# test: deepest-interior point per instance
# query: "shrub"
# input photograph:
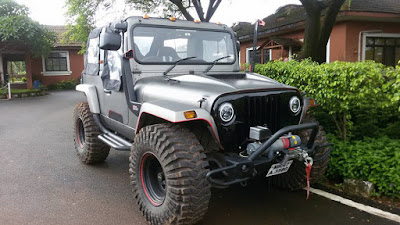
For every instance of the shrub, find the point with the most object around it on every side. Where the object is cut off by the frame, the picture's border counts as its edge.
(67, 84)
(23, 79)
(374, 160)
(350, 93)
(63, 85)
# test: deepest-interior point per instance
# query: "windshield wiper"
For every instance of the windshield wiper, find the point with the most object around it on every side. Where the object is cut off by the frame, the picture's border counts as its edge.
(177, 63)
(215, 62)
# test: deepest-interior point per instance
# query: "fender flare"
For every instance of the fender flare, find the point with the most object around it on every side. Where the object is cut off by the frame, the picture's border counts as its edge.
(91, 95)
(173, 112)
(307, 103)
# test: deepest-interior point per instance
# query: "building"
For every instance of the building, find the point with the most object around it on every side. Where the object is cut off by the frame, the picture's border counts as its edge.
(63, 63)
(364, 30)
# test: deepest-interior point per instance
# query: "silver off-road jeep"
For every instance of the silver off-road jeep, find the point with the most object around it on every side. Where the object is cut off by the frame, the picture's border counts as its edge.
(171, 92)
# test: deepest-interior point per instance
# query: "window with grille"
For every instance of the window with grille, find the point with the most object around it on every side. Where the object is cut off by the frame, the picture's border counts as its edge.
(385, 50)
(57, 61)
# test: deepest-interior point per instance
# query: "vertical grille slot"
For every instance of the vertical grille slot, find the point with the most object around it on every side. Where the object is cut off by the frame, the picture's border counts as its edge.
(263, 110)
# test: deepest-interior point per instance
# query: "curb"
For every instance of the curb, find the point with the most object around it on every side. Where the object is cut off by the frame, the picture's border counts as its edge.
(365, 201)
(22, 95)
(359, 206)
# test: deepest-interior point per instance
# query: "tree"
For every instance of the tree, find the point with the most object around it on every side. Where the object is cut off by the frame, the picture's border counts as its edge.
(81, 13)
(316, 35)
(179, 7)
(17, 28)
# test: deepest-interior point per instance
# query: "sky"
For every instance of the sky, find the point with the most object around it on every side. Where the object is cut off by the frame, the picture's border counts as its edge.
(52, 12)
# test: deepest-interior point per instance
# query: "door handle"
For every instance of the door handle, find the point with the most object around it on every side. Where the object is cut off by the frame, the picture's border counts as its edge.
(107, 91)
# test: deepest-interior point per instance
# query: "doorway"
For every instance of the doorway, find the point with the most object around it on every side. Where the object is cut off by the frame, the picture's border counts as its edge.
(14, 69)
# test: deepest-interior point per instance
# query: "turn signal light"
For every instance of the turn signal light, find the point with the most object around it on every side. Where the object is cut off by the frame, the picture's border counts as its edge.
(313, 102)
(219, 23)
(190, 114)
(145, 16)
(172, 19)
(197, 21)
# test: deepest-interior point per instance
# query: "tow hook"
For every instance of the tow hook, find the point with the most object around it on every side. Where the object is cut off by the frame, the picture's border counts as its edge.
(308, 162)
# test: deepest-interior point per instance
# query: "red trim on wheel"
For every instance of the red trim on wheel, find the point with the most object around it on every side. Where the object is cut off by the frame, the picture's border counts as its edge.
(143, 185)
(77, 134)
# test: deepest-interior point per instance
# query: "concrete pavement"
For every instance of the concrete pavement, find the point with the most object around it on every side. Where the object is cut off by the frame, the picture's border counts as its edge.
(43, 182)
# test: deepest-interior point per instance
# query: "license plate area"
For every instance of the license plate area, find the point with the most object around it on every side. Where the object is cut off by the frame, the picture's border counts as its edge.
(279, 168)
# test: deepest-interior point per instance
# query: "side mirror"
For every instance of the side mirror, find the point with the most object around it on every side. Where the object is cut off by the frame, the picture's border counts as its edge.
(110, 41)
(238, 46)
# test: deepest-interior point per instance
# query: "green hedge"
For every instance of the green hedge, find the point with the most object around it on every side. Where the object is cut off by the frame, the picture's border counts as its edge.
(374, 160)
(353, 95)
(63, 85)
(359, 101)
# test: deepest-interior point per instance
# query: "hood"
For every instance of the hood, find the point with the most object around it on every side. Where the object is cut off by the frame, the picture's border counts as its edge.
(192, 89)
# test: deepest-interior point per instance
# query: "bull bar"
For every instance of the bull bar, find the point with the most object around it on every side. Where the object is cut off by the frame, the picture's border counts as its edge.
(243, 169)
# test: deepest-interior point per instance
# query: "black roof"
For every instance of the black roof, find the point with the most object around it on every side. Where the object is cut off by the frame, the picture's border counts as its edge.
(384, 6)
(287, 16)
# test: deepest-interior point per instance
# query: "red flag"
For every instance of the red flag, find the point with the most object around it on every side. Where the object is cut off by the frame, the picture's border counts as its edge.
(261, 22)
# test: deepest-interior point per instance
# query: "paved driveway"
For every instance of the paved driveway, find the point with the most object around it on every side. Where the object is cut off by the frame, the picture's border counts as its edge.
(42, 181)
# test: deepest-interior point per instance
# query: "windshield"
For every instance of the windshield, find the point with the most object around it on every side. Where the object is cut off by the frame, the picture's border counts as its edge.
(168, 45)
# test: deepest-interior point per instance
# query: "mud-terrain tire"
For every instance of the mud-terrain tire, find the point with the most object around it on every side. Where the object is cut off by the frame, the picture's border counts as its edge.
(296, 177)
(168, 170)
(89, 148)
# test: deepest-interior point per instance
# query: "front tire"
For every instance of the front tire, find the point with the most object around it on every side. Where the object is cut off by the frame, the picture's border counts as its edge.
(89, 148)
(168, 173)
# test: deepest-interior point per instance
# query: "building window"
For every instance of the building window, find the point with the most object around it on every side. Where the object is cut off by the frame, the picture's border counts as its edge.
(385, 50)
(249, 56)
(56, 63)
(266, 55)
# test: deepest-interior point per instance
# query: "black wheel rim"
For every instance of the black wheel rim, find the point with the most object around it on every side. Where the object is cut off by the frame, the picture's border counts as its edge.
(80, 133)
(153, 179)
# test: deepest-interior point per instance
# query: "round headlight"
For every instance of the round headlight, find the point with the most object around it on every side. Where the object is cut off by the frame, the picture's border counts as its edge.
(294, 104)
(226, 112)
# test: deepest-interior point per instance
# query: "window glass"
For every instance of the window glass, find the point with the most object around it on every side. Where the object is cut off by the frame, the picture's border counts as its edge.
(390, 42)
(143, 43)
(213, 50)
(369, 53)
(56, 61)
(114, 60)
(378, 57)
(379, 41)
(167, 45)
(266, 55)
(258, 56)
(370, 41)
(383, 50)
(397, 58)
(93, 51)
(179, 44)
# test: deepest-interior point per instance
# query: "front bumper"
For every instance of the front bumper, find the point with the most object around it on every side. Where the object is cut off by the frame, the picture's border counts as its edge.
(240, 169)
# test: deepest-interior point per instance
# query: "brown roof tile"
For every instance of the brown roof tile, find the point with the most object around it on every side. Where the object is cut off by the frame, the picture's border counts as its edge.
(60, 30)
(288, 15)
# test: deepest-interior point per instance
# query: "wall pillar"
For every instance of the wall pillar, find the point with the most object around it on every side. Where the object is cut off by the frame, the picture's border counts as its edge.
(28, 64)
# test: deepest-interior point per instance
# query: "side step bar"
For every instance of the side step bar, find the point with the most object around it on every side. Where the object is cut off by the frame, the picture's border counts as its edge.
(115, 142)
(111, 139)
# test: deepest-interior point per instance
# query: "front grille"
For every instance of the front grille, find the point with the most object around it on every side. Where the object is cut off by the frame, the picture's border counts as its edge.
(263, 110)
(269, 109)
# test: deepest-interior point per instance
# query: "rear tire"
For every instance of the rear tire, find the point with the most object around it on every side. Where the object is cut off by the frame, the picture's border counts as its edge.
(296, 177)
(89, 148)
(168, 173)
